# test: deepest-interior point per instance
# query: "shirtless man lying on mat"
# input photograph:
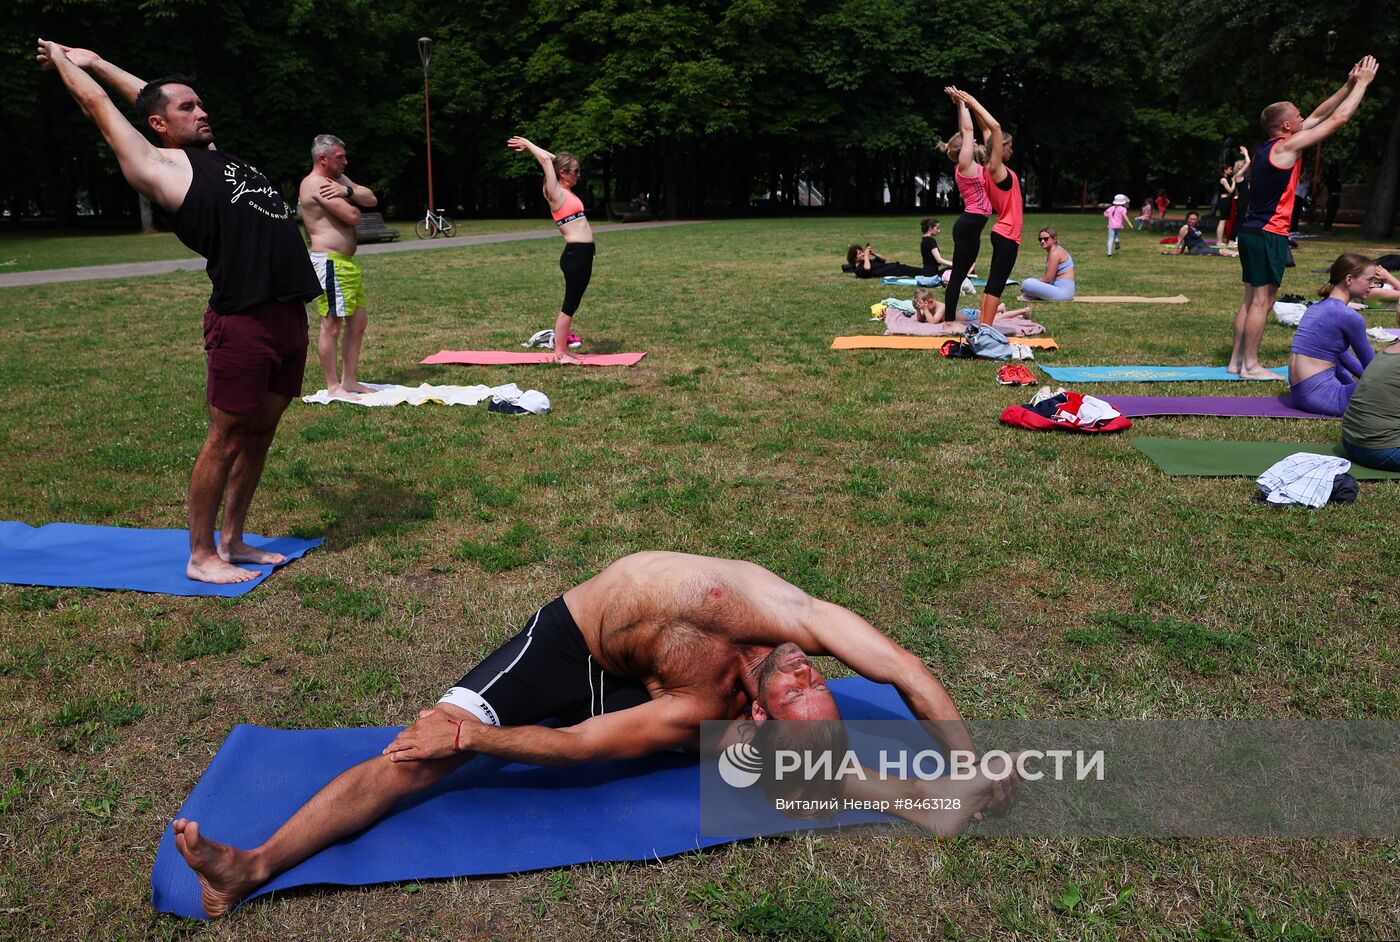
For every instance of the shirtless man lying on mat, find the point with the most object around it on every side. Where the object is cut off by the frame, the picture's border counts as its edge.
(631, 662)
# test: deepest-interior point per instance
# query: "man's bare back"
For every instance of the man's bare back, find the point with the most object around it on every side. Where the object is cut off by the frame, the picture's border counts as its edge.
(689, 625)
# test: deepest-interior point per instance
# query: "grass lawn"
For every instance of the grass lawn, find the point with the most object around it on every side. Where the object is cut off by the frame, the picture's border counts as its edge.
(1038, 574)
(33, 251)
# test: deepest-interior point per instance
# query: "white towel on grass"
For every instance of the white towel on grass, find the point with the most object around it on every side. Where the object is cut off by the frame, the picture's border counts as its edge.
(390, 395)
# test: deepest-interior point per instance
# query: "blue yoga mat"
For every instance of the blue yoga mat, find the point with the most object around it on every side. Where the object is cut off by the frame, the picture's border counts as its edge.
(1147, 374)
(73, 554)
(488, 817)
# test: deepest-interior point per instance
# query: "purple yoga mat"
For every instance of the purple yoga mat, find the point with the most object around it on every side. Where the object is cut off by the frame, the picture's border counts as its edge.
(1269, 407)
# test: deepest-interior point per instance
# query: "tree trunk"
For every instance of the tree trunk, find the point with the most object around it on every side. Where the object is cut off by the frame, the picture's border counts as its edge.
(1380, 217)
(147, 223)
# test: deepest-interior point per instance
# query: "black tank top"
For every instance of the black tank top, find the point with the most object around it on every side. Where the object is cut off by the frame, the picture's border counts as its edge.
(236, 219)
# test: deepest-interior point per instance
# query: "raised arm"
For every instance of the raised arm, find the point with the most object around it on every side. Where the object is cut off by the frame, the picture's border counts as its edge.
(151, 171)
(552, 193)
(1317, 128)
(992, 129)
(1330, 104)
(118, 79)
(665, 723)
(967, 152)
(851, 639)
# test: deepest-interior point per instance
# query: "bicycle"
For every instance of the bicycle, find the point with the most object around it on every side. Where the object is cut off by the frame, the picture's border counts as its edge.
(434, 224)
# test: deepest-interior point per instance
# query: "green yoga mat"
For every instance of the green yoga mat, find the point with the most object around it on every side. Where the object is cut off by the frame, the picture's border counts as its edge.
(1208, 459)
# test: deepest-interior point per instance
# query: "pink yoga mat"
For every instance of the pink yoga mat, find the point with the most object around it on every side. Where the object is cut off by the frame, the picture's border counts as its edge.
(1268, 407)
(511, 358)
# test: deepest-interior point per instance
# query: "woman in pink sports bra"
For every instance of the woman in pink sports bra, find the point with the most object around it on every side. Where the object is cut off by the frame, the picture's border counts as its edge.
(962, 148)
(560, 178)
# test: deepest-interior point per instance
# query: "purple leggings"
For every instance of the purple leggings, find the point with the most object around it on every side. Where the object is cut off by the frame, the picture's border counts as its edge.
(1323, 393)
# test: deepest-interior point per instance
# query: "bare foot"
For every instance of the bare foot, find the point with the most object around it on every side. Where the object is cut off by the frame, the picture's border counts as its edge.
(1233, 367)
(217, 571)
(226, 874)
(356, 387)
(565, 359)
(1259, 372)
(236, 551)
(975, 796)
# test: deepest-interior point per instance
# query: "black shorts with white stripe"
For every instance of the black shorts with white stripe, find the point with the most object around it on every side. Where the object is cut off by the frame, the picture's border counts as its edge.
(545, 672)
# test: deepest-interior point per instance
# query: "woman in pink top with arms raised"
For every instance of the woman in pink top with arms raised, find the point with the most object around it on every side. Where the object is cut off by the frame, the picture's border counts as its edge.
(560, 178)
(962, 148)
(1004, 193)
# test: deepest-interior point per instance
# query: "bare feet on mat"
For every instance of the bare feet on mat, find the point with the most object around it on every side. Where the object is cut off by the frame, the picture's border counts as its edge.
(356, 388)
(340, 392)
(217, 571)
(226, 874)
(236, 551)
(566, 359)
(1260, 373)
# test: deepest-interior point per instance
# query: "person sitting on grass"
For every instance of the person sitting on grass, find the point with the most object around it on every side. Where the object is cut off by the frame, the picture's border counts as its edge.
(1371, 423)
(1190, 241)
(933, 260)
(1331, 348)
(674, 640)
(868, 263)
(1058, 283)
(1144, 217)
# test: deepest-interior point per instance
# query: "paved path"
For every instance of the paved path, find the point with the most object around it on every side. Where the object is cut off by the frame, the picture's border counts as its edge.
(129, 270)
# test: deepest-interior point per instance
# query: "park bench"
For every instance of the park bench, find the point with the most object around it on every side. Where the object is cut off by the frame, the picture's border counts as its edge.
(371, 228)
(627, 211)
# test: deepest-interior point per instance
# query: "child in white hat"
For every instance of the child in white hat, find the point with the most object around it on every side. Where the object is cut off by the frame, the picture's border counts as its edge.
(1117, 215)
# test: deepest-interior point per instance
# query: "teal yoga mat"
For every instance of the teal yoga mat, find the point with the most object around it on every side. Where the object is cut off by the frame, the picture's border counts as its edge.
(1216, 459)
(1148, 374)
(910, 282)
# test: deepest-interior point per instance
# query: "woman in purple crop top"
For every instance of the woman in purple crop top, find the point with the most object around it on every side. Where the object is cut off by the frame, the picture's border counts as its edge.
(1331, 348)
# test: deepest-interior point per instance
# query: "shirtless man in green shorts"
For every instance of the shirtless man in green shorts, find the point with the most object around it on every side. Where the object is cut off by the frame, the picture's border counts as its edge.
(631, 662)
(330, 207)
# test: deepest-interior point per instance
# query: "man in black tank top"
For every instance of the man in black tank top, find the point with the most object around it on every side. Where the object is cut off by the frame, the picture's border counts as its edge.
(255, 326)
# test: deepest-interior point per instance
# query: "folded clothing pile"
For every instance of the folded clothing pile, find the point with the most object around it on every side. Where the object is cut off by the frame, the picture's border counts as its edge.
(1068, 411)
(1307, 479)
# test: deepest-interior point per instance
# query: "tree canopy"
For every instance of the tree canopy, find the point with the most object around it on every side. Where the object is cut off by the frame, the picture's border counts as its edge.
(712, 106)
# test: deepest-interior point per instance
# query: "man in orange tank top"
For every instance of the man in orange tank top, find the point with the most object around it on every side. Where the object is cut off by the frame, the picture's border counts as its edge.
(1263, 238)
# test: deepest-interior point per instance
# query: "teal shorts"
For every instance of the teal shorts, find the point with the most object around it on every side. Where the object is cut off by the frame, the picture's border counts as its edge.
(1263, 256)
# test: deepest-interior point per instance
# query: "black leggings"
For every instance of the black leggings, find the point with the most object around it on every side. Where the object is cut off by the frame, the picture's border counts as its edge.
(1003, 260)
(577, 265)
(967, 239)
(888, 270)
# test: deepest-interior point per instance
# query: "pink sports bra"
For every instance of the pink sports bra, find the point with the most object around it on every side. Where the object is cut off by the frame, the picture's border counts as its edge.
(571, 209)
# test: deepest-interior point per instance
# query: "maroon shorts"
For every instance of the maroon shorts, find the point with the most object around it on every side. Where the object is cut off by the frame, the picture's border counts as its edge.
(259, 350)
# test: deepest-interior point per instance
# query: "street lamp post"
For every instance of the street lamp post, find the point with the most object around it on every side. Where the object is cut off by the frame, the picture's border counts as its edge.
(425, 52)
(1317, 154)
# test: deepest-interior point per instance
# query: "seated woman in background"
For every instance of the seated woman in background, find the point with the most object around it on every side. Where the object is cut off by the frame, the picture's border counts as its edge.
(1189, 240)
(1371, 425)
(933, 260)
(1331, 348)
(870, 264)
(1058, 283)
